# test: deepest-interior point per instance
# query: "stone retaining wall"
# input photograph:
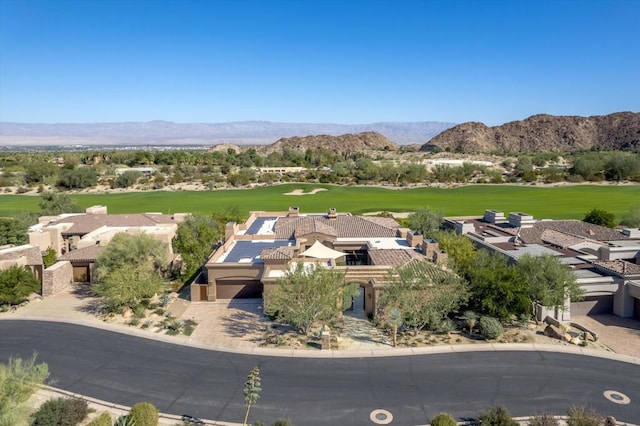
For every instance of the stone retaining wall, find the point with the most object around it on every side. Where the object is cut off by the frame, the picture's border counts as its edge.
(57, 278)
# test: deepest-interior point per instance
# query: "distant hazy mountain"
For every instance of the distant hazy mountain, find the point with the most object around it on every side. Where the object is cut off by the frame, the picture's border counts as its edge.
(168, 133)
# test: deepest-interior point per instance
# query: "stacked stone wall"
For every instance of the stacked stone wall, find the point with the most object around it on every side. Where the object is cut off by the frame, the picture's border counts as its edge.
(56, 278)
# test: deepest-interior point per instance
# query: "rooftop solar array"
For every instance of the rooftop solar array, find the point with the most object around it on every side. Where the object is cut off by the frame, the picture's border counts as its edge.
(262, 226)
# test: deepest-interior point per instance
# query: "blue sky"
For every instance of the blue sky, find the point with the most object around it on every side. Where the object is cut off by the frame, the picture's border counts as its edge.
(316, 61)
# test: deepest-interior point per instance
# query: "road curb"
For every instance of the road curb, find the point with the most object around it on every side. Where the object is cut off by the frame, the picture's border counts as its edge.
(357, 353)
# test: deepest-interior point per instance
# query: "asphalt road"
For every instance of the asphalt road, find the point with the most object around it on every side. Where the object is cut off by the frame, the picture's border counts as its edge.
(208, 384)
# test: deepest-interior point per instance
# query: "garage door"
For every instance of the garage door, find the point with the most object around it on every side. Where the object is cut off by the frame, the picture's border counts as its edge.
(238, 289)
(593, 305)
(81, 274)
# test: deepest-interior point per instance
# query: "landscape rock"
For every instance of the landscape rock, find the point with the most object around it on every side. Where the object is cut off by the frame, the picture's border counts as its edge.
(575, 341)
(554, 332)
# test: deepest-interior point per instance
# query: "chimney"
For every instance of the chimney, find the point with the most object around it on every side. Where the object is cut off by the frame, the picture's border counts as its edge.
(293, 212)
(414, 239)
(429, 247)
(332, 213)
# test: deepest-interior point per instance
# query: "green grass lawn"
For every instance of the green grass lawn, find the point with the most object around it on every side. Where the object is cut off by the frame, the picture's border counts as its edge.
(557, 203)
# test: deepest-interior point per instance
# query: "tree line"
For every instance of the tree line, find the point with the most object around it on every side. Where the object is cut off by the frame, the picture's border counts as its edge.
(217, 169)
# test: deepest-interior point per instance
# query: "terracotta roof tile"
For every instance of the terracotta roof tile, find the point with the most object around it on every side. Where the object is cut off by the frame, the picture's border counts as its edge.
(576, 228)
(620, 267)
(277, 253)
(344, 226)
(559, 239)
(87, 254)
(392, 257)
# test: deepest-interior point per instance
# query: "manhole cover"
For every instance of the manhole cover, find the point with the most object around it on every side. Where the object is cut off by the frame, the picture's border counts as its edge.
(617, 397)
(381, 417)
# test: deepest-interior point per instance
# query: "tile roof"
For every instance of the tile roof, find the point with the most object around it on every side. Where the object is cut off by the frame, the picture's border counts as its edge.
(620, 267)
(277, 253)
(576, 228)
(392, 257)
(87, 254)
(85, 223)
(559, 239)
(343, 226)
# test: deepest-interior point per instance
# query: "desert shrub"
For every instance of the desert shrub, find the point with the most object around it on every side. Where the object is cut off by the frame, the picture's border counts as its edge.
(61, 412)
(19, 379)
(490, 328)
(543, 420)
(496, 416)
(282, 422)
(124, 421)
(443, 419)
(144, 414)
(139, 311)
(104, 419)
(583, 416)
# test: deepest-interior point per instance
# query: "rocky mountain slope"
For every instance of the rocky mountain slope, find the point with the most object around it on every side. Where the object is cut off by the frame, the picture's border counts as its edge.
(620, 131)
(168, 133)
(343, 144)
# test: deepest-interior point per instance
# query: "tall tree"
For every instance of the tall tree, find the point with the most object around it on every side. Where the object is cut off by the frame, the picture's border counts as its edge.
(423, 293)
(548, 281)
(309, 294)
(459, 248)
(55, 203)
(129, 269)
(12, 231)
(426, 221)
(496, 287)
(81, 177)
(195, 240)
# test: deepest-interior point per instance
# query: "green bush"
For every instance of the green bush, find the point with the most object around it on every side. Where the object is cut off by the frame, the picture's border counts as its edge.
(61, 412)
(443, 419)
(16, 284)
(282, 422)
(490, 328)
(104, 419)
(543, 420)
(496, 416)
(583, 416)
(144, 414)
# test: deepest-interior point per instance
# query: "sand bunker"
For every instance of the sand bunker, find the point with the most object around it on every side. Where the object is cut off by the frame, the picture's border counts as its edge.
(301, 191)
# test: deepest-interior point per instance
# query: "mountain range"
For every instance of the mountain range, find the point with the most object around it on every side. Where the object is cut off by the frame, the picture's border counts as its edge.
(543, 132)
(238, 133)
